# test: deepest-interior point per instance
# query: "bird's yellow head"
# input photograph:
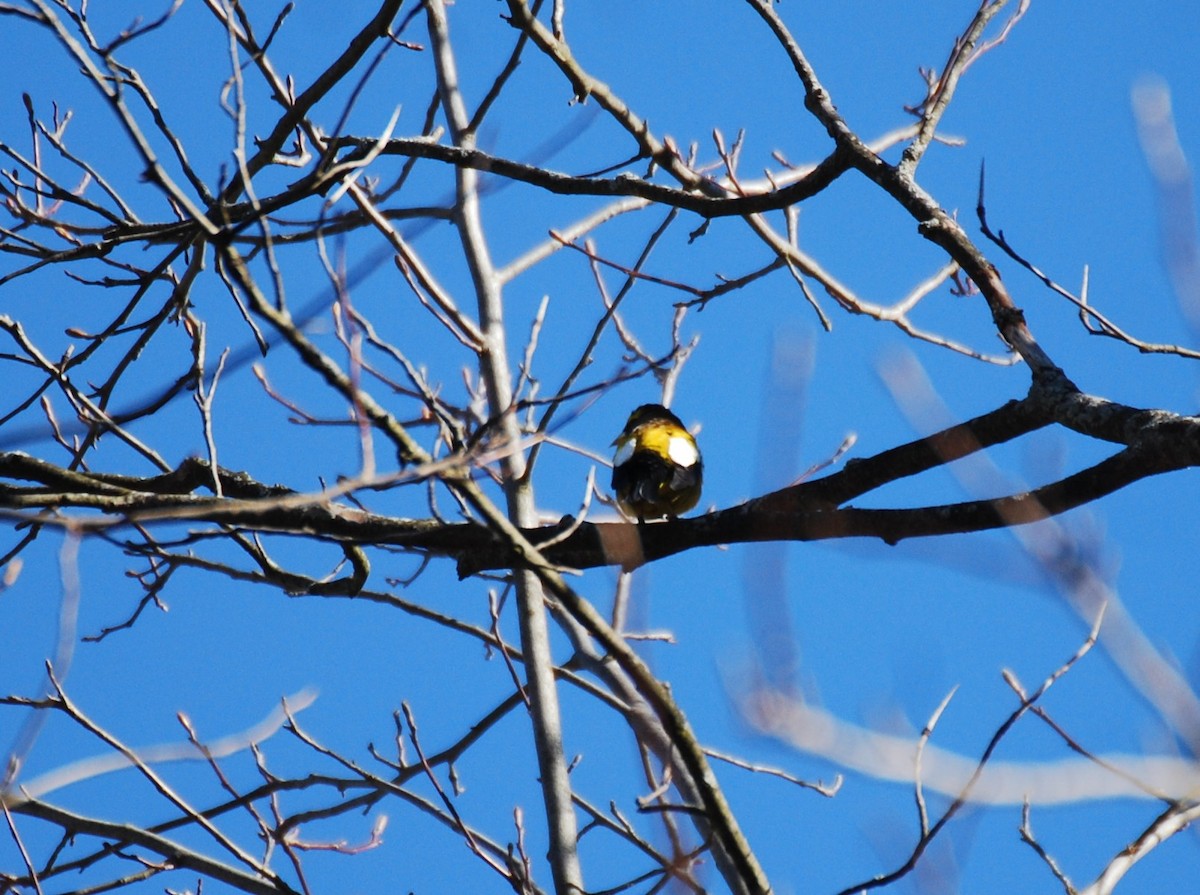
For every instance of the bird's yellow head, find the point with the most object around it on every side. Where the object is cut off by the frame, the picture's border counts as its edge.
(657, 469)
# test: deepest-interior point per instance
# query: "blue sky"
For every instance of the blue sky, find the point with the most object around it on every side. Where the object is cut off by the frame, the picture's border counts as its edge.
(881, 634)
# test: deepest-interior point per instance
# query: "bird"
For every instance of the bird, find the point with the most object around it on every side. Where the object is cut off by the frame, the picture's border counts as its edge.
(657, 468)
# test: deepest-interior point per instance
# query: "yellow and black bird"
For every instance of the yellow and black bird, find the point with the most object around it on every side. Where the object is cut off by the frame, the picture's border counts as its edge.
(657, 470)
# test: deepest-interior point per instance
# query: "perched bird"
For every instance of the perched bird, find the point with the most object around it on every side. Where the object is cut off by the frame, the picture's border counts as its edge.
(657, 468)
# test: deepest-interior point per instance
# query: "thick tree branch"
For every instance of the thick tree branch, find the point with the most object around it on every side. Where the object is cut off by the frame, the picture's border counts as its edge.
(1156, 441)
(705, 204)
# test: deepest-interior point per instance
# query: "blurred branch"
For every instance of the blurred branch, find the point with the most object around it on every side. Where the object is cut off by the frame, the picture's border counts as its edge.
(108, 762)
(1168, 164)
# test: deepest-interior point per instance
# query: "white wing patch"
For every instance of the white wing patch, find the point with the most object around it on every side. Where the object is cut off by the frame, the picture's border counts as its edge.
(682, 451)
(624, 452)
